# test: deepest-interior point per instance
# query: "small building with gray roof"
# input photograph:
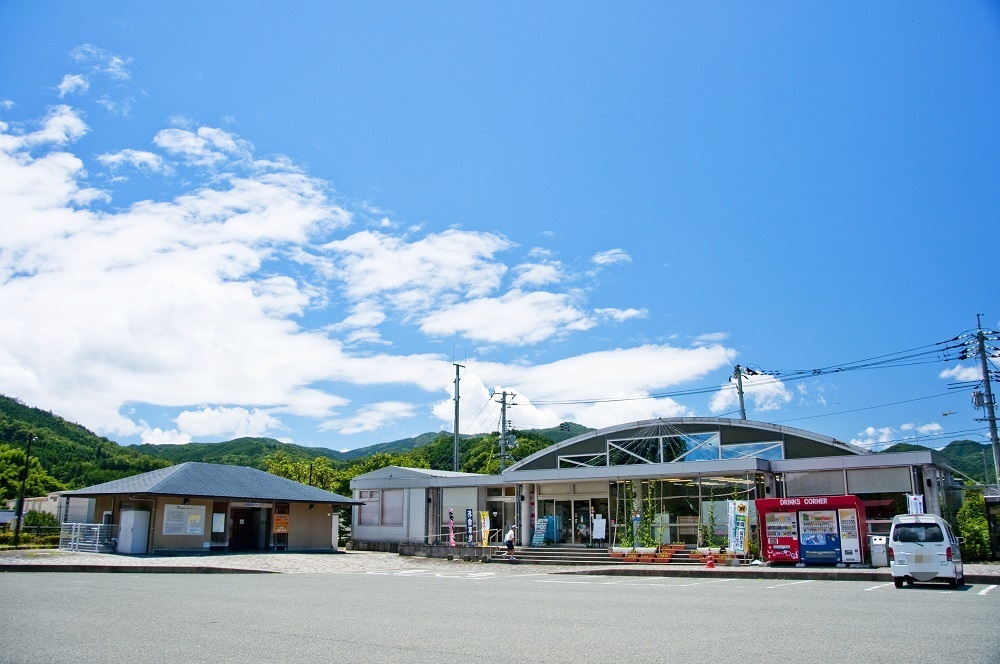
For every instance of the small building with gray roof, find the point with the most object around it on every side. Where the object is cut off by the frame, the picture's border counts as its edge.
(203, 506)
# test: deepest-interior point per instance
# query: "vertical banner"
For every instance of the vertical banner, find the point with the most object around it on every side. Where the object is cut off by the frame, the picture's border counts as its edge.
(451, 527)
(738, 516)
(914, 503)
(484, 527)
(470, 526)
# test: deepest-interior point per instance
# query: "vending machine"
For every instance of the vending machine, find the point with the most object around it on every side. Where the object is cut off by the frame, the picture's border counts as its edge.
(812, 530)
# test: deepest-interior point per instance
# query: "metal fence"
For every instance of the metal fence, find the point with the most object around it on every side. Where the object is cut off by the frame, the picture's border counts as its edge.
(92, 537)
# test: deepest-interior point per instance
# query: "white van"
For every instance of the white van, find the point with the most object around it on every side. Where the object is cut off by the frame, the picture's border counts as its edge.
(923, 547)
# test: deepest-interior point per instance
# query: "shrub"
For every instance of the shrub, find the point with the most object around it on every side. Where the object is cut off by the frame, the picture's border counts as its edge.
(972, 525)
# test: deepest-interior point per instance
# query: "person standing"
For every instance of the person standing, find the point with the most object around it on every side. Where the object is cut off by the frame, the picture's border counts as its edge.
(508, 539)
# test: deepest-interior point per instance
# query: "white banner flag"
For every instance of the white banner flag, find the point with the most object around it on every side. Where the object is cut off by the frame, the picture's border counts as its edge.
(738, 517)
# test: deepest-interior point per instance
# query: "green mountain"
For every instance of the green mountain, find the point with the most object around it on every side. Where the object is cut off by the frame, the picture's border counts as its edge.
(966, 456)
(401, 446)
(238, 452)
(68, 452)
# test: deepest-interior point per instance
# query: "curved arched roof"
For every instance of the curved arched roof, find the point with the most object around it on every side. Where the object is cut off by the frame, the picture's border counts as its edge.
(795, 443)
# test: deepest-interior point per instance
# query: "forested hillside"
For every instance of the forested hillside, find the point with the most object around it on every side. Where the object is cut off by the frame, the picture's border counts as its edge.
(966, 456)
(68, 453)
(239, 452)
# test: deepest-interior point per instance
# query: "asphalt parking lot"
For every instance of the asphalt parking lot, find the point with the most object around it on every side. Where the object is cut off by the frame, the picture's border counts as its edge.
(385, 608)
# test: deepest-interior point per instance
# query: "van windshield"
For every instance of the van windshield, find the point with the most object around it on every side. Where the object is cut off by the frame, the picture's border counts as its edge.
(917, 532)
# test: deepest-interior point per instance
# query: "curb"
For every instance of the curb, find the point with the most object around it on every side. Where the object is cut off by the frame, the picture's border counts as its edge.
(872, 575)
(129, 569)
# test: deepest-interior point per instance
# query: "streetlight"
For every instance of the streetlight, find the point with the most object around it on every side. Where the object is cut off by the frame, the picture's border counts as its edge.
(20, 497)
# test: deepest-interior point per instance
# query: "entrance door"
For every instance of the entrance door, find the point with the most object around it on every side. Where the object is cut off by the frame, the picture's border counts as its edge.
(581, 521)
(245, 533)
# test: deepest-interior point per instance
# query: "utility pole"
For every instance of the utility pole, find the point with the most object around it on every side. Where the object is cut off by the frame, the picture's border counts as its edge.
(738, 374)
(457, 379)
(20, 496)
(991, 415)
(503, 430)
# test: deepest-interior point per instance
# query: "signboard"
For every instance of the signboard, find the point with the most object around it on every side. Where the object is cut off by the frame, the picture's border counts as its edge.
(280, 524)
(183, 519)
(600, 527)
(470, 526)
(538, 537)
(738, 514)
(850, 537)
(914, 503)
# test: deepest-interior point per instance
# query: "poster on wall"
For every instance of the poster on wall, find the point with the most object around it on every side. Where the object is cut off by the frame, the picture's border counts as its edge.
(914, 503)
(280, 524)
(183, 519)
(219, 522)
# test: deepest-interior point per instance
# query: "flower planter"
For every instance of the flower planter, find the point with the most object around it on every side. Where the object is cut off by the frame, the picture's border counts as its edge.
(645, 550)
(647, 558)
(663, 558)
(631, 558)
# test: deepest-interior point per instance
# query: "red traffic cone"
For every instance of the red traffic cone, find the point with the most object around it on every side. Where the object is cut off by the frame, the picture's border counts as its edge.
(710, 563)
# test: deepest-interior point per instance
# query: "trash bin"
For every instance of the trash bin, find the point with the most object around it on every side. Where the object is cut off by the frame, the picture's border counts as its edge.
(879, 554)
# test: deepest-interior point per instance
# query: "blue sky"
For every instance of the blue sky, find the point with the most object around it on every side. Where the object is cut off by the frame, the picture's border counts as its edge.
(288, 220)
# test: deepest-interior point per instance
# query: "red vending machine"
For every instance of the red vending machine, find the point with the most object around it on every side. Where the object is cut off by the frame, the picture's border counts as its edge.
(812, 530)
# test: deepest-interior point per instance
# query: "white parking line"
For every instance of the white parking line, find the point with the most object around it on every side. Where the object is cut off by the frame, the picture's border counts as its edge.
(986, 590)
(881, 585)
(793, 583)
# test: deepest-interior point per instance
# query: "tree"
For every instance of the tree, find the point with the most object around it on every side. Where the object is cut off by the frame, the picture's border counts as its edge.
(36, 519)
(39, 483)
(972, 525)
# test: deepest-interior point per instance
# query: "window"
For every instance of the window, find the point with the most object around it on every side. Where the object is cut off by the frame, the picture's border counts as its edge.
(368, 514)
(918, 532)
(392, 507)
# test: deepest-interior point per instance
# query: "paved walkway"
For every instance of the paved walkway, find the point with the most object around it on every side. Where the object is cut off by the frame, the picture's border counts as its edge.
(45, 560)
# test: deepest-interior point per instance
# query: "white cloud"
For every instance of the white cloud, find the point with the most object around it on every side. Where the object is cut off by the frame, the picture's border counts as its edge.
(611, 257)
(765, 393)
(872, 437)
(537, 274)
(6, 104)
(160, 437)
(206, 146)
(621, 315)
(622, 381)
(200, 302)
(73, 83)
(961, 373)
(138, 159)
(371, 417)
(710, 338)
(415, 276)
(516, 318)
(100, 60)
(227, 422)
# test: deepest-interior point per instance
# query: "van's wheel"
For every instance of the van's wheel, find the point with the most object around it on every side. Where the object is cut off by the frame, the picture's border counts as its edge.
(953, 583)
(909, 581)
(898, 581)
(961, 581)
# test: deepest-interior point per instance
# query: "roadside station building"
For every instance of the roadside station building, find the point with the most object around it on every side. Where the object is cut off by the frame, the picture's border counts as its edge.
(680, 471)
(202, 507)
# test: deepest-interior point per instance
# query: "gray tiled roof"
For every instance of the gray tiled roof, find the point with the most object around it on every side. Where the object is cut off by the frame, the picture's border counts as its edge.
(211, 480)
